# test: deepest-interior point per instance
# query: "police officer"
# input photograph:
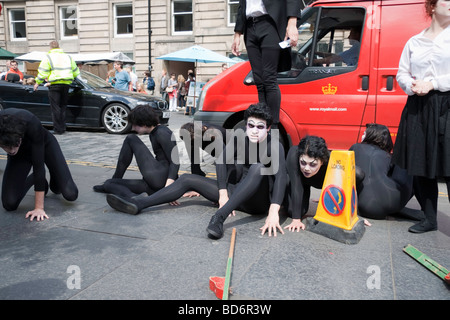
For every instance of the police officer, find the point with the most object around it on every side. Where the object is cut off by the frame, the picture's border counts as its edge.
(59, 69)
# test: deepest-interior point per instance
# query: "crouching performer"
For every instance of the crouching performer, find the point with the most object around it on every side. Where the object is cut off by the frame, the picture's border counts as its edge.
(251, 177)
(30, 146)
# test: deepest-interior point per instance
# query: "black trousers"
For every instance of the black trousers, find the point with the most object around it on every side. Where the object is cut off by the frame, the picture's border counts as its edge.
(261, 41)
(58, 95)
(427, 192)
(17, 180)
(154, 173)
(251, 194)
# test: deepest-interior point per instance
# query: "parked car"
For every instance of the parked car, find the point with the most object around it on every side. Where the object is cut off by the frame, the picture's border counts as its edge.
(93, 103)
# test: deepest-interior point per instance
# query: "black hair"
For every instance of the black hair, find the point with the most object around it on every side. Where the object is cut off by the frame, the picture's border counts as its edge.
(314, 147)
(12, 130)
(260, 111)
(190, 127)
(378, 135)
(143, 115)
(194, 128)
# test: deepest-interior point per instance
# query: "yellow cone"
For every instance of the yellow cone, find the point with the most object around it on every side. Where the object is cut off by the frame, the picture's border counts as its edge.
(338, 200)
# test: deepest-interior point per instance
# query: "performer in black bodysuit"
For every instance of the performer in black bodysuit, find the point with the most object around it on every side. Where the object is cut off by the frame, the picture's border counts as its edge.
(31, 146)
(254, 175)
(197, 135)
(386, 188)
(157, 171)
(306, 167)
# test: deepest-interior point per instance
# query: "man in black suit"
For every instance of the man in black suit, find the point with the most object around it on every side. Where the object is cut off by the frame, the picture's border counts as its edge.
(264, 24)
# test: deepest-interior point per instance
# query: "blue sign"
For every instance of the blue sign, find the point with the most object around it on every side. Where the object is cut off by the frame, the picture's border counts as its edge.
(333, 200)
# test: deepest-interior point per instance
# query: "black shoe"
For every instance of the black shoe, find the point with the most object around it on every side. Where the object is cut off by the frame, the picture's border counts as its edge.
(215, 227)
(121, 204)
(99, 188)
(423, 226)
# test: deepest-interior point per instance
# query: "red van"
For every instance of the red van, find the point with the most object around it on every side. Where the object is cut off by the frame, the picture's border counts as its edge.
(338, 81)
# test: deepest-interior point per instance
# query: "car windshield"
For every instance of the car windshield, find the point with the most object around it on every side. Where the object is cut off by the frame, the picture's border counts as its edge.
(92, 81)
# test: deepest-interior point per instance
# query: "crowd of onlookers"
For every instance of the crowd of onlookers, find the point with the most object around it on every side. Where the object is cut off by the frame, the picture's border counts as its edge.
(124, 78)
(173, 89)
(176, 89)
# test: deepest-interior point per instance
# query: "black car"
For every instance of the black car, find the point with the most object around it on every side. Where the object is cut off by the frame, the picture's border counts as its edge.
(93, 103)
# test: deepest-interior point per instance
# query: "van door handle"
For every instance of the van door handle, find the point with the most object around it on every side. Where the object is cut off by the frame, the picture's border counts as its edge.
(365, 83)
(390, 83)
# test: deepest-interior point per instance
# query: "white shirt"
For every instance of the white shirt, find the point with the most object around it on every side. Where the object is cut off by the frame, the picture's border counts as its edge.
(134, 79)
(426, 59)
(255, 8)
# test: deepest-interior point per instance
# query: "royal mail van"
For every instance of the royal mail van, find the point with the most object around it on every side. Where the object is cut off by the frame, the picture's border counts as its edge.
(338, 82)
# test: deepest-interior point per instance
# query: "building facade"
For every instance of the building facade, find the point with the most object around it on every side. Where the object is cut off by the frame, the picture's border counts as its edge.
(88, 26)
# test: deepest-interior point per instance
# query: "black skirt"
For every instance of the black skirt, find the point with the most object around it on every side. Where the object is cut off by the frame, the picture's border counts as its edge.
(422, 146)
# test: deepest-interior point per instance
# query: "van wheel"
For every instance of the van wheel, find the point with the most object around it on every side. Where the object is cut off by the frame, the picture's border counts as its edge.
(114, 118)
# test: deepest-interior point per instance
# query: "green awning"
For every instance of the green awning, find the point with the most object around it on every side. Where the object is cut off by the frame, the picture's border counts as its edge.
(6, 55)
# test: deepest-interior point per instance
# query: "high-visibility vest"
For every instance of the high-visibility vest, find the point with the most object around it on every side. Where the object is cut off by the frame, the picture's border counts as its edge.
(57, 67)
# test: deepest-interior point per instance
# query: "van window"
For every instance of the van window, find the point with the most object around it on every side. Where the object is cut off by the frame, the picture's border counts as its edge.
(328, 38)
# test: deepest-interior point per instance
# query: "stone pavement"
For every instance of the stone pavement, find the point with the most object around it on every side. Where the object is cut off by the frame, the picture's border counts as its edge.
(88, 251)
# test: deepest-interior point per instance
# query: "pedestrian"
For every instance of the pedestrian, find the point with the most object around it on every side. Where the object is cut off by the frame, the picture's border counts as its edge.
(60, 70)
(163, 86)
(181, 91)
(191, 79)
(133, 77)
(141, 88)
(30, 146)
(3, 73)
(265, 23)
(247, 180)
(149, 82)
(122, 79)
(110, 78)
(172, 92)
(14, 68)
(422, 145)
(157, 171)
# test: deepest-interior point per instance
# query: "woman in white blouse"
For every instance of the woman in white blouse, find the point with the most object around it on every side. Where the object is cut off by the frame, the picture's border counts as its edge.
(423, 140)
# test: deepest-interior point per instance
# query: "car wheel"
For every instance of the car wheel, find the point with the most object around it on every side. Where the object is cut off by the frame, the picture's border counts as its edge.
(114, 119)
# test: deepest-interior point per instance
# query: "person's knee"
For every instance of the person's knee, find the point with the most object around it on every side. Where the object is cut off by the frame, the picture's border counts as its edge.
(131, 138)
(71, 193)
(10, 204)
(255, 169)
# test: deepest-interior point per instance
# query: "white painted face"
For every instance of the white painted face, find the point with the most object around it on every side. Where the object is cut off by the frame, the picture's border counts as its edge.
(309, 166)
(257, 129)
